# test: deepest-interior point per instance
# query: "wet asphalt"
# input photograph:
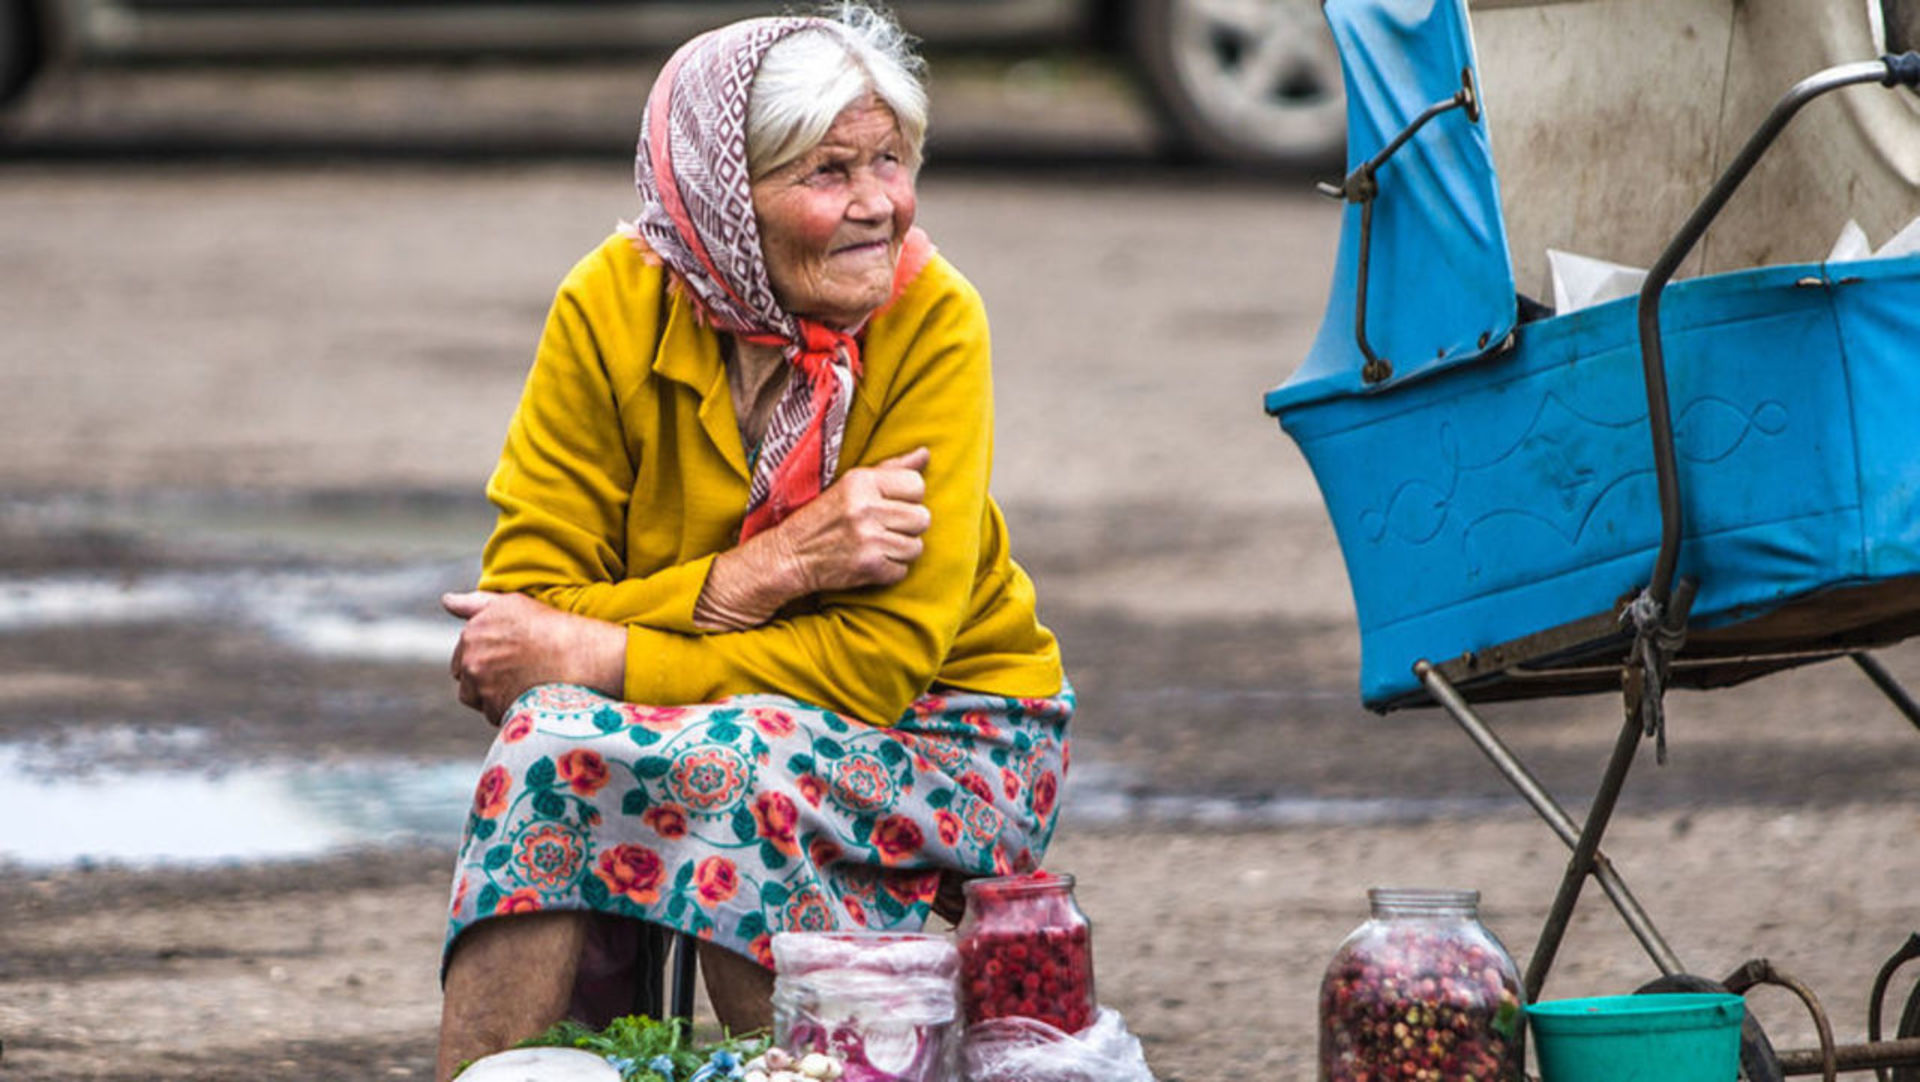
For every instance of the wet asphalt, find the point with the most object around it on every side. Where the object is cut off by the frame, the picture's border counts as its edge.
(132, 652)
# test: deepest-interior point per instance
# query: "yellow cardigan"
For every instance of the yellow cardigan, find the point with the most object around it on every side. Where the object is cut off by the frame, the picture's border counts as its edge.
(624, 475)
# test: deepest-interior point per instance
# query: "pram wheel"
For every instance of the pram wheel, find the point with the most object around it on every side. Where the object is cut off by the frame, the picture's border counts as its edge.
(1757, 1060)
(1909, 1017)
(1909, 1027)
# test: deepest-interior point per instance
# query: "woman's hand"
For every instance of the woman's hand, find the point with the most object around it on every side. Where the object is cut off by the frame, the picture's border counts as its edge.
(512, 643)
(864, 530)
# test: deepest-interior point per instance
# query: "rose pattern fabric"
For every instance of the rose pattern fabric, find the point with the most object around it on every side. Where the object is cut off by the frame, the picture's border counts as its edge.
(757, 814)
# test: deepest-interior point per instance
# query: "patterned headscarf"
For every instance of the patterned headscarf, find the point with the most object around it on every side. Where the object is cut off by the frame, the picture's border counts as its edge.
(696, 215)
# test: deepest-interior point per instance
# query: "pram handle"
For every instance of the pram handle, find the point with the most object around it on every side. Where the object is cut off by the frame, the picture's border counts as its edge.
(1362, 186)
(1902, 70)
(1890, 70)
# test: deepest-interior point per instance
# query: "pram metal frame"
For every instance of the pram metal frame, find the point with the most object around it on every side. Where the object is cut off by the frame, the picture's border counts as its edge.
(1588, 860)
(1658, 628)
(1361, 186)
(1657, 618)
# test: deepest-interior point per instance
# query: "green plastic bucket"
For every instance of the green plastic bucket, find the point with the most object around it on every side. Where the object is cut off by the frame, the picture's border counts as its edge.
(1669, 1037)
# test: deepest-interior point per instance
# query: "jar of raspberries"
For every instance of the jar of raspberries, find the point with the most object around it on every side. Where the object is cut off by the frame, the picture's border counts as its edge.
(1026, 951)
(1421, 992)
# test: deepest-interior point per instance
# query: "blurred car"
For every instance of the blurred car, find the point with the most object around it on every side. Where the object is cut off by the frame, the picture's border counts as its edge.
(1245, 81)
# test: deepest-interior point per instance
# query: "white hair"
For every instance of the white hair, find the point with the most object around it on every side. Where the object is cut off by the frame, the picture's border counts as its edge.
(808, 78)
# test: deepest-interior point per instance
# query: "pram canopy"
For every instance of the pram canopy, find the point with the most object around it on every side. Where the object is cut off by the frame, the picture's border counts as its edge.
(1492, 485)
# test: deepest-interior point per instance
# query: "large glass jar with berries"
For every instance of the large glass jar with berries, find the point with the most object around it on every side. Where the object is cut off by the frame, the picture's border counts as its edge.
(1026, 951)
(1421, 992)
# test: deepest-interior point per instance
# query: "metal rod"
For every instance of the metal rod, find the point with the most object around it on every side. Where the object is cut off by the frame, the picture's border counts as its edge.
(683, 968)
(1556, 818)
(1904, 1052)
(1877, 1000)
(1580, 865)
(1499, 754)
(1376, 369)
(1759, 971)
(1888, 686)
(1461, 99)
(1678, 664)
(1361, 186)
(1653, 362)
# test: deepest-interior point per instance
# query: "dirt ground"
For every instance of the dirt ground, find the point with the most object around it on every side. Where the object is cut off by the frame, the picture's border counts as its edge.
(231, 367)
(1211, 943)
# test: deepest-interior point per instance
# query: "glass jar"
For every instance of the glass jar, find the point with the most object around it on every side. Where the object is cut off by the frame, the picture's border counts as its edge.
(1422, 992)
(1026, 951)
(883, 1003)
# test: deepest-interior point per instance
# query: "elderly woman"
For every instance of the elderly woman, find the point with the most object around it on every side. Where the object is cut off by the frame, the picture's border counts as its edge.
(748, 622)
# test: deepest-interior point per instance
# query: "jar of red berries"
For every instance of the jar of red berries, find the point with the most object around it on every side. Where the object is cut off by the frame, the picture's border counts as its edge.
(1026, 951)
(1421, 992)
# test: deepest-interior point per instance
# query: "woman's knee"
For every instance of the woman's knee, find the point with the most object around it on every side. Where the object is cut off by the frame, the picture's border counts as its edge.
(514, 946)
(740, 989)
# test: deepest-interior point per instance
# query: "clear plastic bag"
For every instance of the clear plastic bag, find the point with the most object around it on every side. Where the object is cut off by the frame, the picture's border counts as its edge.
(885, 1004)
(1023, 1050)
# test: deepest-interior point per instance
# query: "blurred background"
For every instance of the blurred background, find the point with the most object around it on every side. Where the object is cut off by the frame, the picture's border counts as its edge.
(1250, 82)
(275, 271)
(270, 280)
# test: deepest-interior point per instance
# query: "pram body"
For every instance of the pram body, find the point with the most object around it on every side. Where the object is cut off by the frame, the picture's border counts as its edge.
(1494, 496)
(1711, 481)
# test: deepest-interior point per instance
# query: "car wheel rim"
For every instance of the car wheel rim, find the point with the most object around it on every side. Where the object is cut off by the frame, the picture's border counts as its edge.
(1264, 70)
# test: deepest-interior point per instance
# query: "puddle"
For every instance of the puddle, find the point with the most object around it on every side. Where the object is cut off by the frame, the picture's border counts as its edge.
(388, 613)
(290, 811)
(353, 579)
(248, 526)
(278, 812)
(327, 576)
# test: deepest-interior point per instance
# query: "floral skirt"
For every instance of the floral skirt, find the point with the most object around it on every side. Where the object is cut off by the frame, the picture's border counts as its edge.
(738, 819)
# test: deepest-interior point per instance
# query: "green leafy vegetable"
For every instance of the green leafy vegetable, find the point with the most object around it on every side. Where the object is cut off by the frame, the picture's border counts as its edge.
(646, 1050)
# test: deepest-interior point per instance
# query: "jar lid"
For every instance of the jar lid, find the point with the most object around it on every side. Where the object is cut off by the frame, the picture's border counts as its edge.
(1003, 886)
(1424, 899)
(896, 953)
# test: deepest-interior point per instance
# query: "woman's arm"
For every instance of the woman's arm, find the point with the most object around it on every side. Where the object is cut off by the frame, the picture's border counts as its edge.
(864, 530)
(511, 643)
(869, 652)
(566, 475)
(565, 488)
(866, 650)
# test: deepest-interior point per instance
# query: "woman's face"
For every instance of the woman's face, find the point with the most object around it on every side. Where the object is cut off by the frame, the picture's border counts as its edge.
(832, 220)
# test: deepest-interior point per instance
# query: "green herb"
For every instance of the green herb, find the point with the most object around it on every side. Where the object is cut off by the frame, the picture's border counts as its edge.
(646, 1050)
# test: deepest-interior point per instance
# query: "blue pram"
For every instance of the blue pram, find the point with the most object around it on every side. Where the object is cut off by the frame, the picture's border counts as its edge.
(1715, 481)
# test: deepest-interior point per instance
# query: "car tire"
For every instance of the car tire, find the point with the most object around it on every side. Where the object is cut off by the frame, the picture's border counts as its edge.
(19, 49)
(1901, 18)
(1249, 82)
(1901, 21)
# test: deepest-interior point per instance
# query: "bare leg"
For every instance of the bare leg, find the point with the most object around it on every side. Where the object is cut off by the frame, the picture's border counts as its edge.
(509, 978)
(741, 991)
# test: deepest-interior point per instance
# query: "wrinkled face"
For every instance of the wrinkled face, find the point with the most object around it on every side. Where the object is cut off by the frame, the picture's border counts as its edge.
(832, 220)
